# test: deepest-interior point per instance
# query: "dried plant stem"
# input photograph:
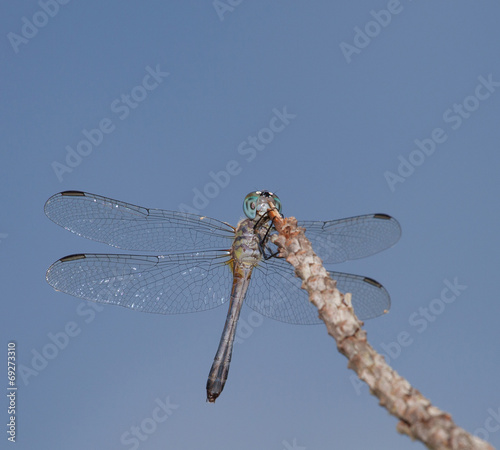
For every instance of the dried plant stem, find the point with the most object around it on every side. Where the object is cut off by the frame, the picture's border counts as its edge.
(419, 419)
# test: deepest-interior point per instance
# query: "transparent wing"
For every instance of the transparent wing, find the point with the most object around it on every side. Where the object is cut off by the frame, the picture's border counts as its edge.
(172, 284)
(336, 241)
(132, 227)
(275, 292)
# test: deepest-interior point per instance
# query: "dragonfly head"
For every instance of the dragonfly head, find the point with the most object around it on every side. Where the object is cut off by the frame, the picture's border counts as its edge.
(256, 204)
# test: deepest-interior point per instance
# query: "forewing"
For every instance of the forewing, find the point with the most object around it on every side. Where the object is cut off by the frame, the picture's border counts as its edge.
(132, 227)
(275, 292)
(171, 284)
(336, 241)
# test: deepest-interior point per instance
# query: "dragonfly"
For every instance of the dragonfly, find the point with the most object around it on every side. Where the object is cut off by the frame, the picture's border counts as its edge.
(196, 263)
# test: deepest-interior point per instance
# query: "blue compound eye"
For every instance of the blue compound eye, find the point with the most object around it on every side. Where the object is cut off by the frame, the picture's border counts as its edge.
(277, 202)
(257, 203)
(250, 205)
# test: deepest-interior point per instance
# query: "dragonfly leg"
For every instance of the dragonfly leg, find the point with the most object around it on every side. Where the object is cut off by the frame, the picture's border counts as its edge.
(264, 240)
(263, 245)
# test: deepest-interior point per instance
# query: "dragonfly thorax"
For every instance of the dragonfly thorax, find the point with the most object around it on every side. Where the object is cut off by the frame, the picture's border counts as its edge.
(246, 248)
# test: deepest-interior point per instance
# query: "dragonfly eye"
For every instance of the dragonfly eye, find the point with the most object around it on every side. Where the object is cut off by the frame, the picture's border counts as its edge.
(250, 205)
(277, 202)
(256, 201)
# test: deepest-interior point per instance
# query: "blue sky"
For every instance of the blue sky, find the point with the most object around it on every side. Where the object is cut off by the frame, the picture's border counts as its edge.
(386, 106)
